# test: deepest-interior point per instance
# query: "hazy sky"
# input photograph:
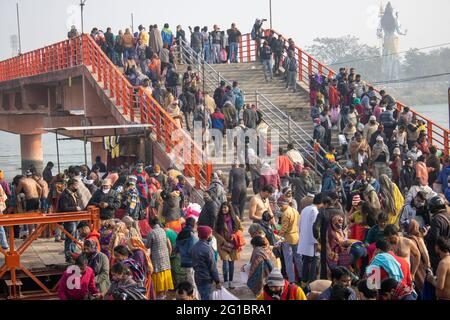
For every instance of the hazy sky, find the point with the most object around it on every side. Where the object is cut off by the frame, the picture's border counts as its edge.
(46, 21)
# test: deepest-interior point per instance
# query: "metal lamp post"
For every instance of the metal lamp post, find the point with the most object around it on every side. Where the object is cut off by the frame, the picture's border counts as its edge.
(270, 8)
(82, 4)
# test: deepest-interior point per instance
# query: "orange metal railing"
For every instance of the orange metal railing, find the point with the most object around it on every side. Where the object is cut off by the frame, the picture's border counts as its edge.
(134, 103)
(58, 56)
(308, 65)
(13, 255)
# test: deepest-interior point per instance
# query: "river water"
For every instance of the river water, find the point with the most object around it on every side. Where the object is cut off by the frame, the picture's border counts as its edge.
(72, 151)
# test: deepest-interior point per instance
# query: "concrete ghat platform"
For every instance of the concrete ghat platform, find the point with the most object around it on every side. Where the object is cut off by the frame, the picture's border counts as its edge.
(46, 257)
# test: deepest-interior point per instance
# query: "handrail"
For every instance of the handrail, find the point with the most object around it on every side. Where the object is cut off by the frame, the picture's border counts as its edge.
(58, 56)
(83, 50)
(307, 66)
(16, 251)
(192, 55)
(163, 122)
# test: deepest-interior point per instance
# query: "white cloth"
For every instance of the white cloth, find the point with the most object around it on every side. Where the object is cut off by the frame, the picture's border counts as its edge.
(305, 225)
(361, 158)
(295, 157)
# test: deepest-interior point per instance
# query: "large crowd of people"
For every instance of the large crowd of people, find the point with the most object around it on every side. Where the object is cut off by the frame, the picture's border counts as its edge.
(377, 227)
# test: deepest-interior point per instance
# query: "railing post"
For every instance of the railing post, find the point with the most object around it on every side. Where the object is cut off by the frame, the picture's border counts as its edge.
(316, 151)
(309, 65)
(249, 51)
(132, 102)
(430, 132)
(289, 129)
(209, 172)
(446, 144)
(241, 50)
(300, 65)
(257, 98)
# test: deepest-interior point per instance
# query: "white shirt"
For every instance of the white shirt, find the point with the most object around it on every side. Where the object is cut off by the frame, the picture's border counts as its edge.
(305, 226)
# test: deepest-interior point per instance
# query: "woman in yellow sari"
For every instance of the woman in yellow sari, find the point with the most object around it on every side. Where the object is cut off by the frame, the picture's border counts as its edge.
(391, 198)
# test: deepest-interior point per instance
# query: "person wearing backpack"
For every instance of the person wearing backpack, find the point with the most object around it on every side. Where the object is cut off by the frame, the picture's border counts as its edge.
(119, 47)
(266, 57)
(292, 70)
(239, 102)
(172, 80)
(219, 93)
(257, 35)
(187, 99)
(201, 116)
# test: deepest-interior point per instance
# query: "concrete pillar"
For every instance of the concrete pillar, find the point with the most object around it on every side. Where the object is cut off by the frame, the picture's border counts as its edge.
(97, 150)
(141, 151)
(31, 152)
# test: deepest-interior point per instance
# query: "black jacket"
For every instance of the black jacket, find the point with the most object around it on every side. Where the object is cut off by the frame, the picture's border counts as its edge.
(111, 198)
(67, 202)
(208, 215)
(266, 53)
(320, 227)
(188, 101)
(440, 227)
(238, 179)
(407, 177)
(47, 175)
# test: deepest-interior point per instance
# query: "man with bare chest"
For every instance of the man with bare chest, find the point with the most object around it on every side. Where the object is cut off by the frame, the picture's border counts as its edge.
(260, 204)
(403, 247)
(32, 191)
(442, 280)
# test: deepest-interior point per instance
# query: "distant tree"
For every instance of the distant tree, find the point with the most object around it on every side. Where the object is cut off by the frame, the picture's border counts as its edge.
(347, 51)
(418, 63)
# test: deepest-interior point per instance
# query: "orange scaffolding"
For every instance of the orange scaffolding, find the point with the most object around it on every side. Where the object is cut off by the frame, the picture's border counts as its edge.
(13, 255)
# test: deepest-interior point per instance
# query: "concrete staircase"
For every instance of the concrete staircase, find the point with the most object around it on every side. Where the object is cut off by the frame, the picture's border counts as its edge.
(250, 77)
(251, 80)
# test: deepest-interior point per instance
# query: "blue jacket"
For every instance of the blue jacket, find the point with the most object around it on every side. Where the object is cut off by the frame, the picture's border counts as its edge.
(329, 184)
(443, 178)
(185, 242)
(217, 123)
(167, 37)
(239, 102)
(204, 263)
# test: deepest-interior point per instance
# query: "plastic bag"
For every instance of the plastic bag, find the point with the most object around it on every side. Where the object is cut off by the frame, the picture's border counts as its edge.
(224, 295)
(223, 55)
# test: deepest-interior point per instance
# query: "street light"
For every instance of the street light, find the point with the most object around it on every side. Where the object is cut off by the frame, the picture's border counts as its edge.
(270, 7)
(82, 4)
(18, 29)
